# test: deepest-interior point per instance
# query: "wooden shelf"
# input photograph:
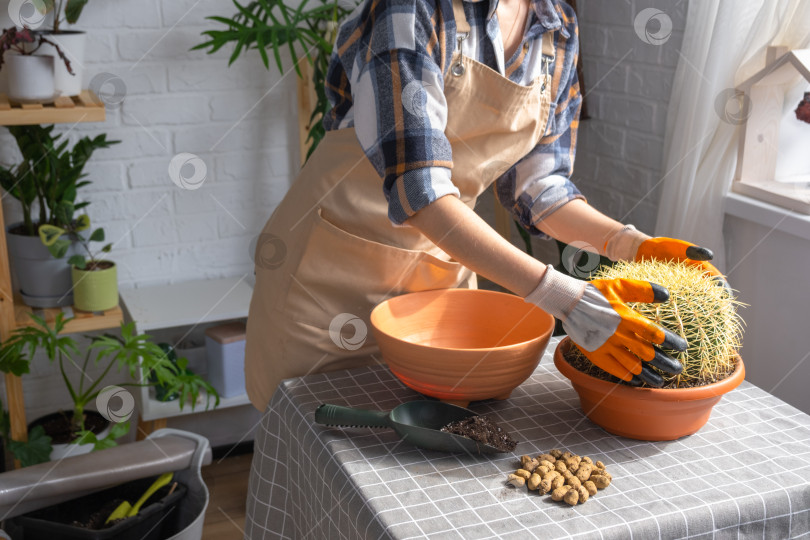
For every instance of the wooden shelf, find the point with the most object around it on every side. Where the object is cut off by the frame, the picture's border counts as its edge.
(83, 321)
(86, 107)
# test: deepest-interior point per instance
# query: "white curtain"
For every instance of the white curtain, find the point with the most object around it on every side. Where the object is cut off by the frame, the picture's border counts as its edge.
(725, 43)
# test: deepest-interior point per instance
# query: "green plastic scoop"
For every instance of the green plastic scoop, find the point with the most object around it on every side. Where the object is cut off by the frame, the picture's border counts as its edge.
(126, 510)
(417, 422)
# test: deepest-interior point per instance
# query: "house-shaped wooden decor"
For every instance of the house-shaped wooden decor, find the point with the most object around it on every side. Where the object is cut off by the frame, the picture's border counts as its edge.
(763, 95)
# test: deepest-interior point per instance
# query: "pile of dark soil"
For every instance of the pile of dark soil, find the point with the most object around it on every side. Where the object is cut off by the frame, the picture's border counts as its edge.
(58, 425)
(483, 430)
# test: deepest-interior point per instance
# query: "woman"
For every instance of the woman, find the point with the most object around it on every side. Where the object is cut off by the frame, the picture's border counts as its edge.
(433, 101)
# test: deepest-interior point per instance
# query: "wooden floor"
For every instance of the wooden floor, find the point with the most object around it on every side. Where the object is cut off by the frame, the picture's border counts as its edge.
(227, 480)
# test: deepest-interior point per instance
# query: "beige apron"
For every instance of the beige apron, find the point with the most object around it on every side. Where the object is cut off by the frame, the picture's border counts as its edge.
(329, 253)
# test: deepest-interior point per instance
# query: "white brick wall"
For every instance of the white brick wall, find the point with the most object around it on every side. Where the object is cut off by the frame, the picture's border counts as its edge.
(628, 84)
(240, 121)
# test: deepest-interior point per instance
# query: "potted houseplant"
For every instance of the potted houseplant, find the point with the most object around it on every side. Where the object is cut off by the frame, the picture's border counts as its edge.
(67, 82)
(80, 429)
(95, 280)
(30, 75)
(47, 181)
(698, 310)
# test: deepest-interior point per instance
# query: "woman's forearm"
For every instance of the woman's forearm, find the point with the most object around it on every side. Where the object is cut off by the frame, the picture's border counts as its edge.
(462, 234)
(577, 221)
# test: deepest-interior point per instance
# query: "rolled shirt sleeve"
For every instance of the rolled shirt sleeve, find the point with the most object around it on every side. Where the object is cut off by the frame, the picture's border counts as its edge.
(539, 184)
(401, 112)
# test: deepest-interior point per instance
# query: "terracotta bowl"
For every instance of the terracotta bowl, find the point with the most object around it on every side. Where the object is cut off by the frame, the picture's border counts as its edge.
(647, 414)
(461, 345)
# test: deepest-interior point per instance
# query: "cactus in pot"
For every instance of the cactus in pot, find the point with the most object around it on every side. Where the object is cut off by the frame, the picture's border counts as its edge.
(698, 310)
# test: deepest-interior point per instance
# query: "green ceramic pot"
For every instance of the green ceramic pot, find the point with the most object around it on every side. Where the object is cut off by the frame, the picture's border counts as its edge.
(95, 290)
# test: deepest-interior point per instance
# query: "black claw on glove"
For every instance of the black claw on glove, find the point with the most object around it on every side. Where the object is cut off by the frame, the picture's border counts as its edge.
(660, 293)
(650, 377)
(664, 362)
(673, 341)
(699, 253)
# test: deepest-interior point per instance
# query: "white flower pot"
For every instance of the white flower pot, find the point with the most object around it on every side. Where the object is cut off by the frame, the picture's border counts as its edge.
(30, 77)
(61, 451)
(72, 44)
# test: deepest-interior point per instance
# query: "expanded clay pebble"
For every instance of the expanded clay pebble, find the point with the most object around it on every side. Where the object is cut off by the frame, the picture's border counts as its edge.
(547, 464)
(600, 481)
(515, 480)
(547, 457)
(529, 463)
(560, 492)
(584, 472)
(568, 477)
(571, 497)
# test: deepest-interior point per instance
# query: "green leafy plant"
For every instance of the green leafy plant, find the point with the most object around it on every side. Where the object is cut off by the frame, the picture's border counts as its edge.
(50, 176)
(63, 11)
(143, 360)
(308, 33)
(38, 446)
(53, 237)
(37, 449)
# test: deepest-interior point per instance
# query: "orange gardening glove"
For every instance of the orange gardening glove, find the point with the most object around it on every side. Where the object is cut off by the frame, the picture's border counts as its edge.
(633, 245)
(667, 249)
(598, 320)
(635, 336)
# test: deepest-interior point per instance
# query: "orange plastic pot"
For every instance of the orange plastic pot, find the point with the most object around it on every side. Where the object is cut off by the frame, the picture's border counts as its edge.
(461, 345)
(647, 414)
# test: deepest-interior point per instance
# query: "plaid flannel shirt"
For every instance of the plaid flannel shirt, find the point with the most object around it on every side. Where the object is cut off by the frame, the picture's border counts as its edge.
(385, 45)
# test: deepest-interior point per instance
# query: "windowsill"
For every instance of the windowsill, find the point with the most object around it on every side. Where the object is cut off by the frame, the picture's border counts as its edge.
(767, 215)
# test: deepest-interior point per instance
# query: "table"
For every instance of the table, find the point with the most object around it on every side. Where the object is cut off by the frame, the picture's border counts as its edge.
(745, 474)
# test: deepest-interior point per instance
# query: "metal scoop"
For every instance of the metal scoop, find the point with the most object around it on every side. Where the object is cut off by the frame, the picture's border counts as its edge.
(417, 422)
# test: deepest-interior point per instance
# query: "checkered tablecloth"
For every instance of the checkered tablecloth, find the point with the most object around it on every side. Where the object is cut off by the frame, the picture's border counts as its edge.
(745, 474)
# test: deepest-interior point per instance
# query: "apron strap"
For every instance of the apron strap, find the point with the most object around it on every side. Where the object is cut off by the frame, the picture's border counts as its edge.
(462, 26)
(548, 44)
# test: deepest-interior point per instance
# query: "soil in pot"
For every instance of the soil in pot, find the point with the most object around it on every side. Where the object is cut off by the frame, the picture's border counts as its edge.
(578, 361)
(58, 425)
(483, 430)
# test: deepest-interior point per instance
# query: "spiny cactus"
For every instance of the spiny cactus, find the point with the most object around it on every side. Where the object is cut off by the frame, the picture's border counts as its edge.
(698, 310)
